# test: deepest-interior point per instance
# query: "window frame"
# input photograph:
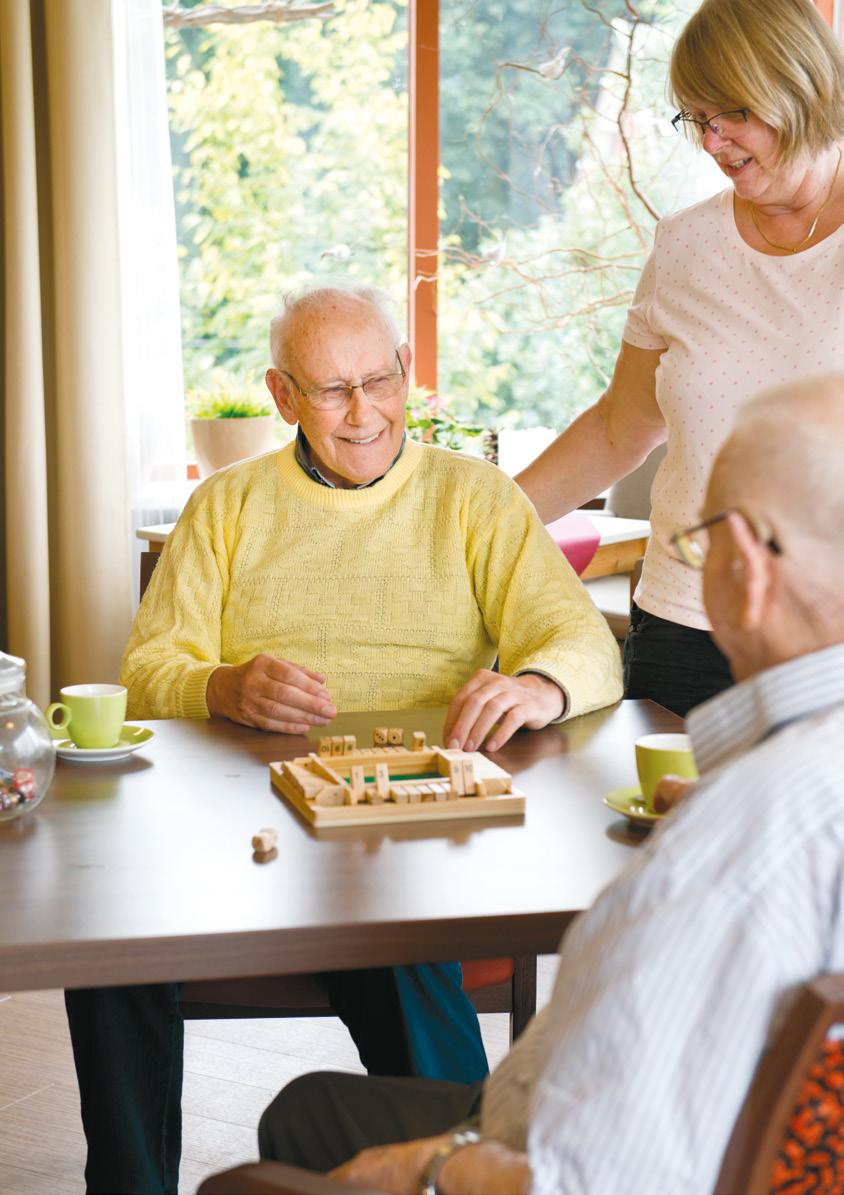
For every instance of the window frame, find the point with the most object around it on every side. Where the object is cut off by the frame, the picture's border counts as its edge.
(423, 176)
(423, 225)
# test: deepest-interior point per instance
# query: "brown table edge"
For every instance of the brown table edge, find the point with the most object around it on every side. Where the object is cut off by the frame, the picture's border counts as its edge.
(107, 963)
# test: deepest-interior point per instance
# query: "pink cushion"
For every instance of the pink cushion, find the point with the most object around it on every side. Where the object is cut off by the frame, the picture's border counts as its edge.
(576, 537)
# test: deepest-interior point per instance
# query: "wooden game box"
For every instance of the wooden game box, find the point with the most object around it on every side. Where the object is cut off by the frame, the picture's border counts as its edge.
(343, 785)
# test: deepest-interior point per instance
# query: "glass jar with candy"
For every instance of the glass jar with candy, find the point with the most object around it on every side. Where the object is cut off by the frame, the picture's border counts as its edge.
(27, 755)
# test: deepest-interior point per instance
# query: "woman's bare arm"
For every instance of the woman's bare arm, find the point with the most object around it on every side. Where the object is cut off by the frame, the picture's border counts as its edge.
(603, 444)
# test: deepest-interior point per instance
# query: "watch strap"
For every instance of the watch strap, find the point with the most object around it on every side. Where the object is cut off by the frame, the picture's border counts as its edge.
(459, 1139)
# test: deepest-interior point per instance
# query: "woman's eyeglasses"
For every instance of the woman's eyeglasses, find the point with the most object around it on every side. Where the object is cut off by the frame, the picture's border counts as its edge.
(724, 124)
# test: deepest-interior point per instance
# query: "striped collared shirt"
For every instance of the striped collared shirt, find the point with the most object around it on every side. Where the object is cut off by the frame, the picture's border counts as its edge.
(630, 1080)
(304, 458)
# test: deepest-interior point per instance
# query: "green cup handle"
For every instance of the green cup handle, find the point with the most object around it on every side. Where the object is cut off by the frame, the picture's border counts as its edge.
(57, 728)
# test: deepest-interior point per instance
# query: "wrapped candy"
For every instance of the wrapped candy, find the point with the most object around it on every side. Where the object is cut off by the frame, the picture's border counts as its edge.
(23, 782)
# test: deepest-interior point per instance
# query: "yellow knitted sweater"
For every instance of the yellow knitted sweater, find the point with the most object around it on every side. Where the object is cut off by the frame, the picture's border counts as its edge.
(398, 592)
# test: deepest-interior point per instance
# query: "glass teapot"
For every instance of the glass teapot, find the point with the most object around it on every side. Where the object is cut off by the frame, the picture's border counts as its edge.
(27, 755)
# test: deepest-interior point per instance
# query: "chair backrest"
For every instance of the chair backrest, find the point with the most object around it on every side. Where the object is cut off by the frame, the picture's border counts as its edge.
(148, 562)
(493, 985)
(630, 498)
(765, 1148)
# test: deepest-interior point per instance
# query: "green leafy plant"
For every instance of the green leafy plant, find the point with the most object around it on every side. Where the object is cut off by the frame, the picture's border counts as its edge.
(429, 419)
(227, 406)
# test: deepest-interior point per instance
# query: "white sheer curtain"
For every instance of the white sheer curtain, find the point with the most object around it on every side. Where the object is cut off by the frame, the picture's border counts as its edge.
(152, 350)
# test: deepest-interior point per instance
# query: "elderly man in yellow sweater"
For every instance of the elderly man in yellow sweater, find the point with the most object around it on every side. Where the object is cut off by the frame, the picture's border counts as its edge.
(354, 569)
(357, 569)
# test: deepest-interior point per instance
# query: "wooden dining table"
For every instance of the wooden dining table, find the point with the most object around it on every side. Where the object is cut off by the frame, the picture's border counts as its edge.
(142, 870)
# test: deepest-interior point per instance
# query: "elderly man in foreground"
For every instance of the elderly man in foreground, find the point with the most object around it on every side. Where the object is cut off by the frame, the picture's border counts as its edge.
(632, 1077)
(352, 570)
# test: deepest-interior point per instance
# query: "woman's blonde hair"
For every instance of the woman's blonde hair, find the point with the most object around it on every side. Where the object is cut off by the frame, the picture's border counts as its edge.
(776, 57)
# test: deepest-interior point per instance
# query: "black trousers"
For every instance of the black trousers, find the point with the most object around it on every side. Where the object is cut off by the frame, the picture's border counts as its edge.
(676, 666)
(321, 1120)
(128, 1045)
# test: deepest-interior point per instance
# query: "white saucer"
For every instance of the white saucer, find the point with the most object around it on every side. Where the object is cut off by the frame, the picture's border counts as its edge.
(131, 739)
(630, 804)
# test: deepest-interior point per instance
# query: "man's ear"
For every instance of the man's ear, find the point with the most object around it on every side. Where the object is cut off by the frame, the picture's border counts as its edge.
(405, 356)
(751, 572)
(279, 388)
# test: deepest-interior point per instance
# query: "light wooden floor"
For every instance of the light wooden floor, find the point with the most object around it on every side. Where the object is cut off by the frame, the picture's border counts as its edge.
(232, 1071)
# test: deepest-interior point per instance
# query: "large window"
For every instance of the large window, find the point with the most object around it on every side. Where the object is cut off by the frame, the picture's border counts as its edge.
(289, 143)
(556, 157)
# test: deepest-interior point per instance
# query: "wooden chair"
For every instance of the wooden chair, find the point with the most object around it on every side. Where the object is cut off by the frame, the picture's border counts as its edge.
(764, 1151)
(273, 1178)
(766, 1138)
(630, 498)
(493, 985)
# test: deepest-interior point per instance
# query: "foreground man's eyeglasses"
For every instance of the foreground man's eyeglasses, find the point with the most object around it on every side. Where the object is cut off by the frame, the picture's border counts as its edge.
(692, 544)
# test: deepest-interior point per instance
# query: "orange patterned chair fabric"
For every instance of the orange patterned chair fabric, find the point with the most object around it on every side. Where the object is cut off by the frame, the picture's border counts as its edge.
(811, 1159)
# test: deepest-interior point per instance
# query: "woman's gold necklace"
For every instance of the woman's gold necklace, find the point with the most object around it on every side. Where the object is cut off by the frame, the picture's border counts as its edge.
(811, 232)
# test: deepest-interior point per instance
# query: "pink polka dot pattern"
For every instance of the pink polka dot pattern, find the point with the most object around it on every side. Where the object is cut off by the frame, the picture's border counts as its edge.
(732, 321)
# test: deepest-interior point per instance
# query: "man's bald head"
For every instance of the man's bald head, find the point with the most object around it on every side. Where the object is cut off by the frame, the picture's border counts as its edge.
(315, 306)
(785, 462)
(783, 467)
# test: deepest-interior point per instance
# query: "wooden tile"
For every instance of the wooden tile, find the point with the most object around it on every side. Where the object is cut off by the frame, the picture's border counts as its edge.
(230, 1101)
(249, 1051)
(44, 1133)
(20, 1181)
(214, 1142)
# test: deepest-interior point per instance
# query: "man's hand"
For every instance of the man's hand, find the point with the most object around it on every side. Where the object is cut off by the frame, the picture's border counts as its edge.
(271, 694)
(512, 701)
(487, 1167)
(669, 790)
(393, 1168)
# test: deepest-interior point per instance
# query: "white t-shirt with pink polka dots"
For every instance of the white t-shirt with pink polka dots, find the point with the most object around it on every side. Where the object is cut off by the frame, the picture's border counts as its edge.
(732, 321)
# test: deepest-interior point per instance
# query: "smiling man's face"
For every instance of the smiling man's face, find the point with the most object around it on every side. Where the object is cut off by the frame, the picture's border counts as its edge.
(344, 339)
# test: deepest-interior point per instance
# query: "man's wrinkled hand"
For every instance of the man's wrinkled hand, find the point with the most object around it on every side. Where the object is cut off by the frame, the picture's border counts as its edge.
(271, 694)
(396, 1169)
(669, 789)
(511, 702)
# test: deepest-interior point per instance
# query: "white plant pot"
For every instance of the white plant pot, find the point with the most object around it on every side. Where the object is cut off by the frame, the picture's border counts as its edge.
(219, 442)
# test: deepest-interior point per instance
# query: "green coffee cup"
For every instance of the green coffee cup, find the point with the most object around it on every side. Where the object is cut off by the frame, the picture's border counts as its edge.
(93, 715)
(659, 755)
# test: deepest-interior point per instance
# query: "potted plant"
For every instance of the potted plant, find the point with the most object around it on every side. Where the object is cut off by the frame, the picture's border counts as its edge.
(429, 419)
(229, 427)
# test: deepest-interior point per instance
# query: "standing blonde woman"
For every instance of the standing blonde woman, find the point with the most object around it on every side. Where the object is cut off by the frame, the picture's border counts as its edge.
(741, 292)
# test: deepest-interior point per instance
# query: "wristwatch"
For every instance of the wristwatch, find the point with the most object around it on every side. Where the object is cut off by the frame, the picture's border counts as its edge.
(459, 1139)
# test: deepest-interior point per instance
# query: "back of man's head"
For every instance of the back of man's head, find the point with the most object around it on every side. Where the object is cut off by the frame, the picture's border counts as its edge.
(786, 454)
(784, 463)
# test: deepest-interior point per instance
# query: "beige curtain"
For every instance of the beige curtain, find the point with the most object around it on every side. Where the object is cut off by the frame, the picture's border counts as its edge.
(67, 570)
